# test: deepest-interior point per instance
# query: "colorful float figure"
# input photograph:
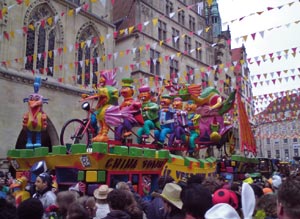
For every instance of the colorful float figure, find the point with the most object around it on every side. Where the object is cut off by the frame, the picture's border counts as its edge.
(18, 190)
(127, 92)
(149, 113)
(180, 123)
(108, 112)
(35, 120)
(192, 117)
(166, 120)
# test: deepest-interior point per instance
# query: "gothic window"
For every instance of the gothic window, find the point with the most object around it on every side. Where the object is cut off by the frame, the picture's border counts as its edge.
(174, 69)
(40, 41)
(175, 38)
(190, 74)
(88, 57)
(154, 62)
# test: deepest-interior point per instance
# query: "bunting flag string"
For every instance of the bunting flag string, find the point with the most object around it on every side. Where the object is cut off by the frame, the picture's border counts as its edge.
(270, 56)
(257, 13)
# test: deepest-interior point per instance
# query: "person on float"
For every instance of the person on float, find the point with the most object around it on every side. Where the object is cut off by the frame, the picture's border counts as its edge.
(149, 113)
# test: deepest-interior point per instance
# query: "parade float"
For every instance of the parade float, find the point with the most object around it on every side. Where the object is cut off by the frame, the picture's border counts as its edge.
(143, 128)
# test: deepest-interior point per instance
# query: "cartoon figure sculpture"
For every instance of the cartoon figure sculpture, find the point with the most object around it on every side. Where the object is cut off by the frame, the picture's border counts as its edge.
(149, 113)
(166, 120)
(180, 123)
(192, 117)
(35, 120)
(127, 93)
(108, 113)
(18, 189)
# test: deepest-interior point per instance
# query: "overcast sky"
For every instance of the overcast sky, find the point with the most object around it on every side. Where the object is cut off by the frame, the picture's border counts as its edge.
(276, 30)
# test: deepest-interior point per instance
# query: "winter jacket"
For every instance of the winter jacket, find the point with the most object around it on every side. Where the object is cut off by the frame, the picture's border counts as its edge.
(117, 214)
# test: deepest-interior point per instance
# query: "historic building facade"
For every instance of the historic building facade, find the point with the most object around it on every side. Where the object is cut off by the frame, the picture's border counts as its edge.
(69, 43)
(278, 128)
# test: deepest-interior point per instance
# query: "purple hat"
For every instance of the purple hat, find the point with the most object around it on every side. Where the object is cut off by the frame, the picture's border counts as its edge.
(177, 99)
(144, 88)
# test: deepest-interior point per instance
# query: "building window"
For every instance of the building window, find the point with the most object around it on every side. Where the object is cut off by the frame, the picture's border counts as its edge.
(176, 38)
(204, 80)
(190, 76)
(169, 7)
(277, 153)
(40, 42)
(87, 54)
(174, 71)
(295, 140)
(269, 154)
(187, 44)
(276, 141)
(181, 16)
(285, 140)
(296, 152)
(227, 84)
(198, 51)
(77, 2)
(268, 141)
(154, 62)
(192, 23)
(162, 30)
(286, 153)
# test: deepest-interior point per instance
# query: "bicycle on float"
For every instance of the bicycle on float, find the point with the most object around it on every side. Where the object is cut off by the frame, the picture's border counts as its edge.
(81, 131)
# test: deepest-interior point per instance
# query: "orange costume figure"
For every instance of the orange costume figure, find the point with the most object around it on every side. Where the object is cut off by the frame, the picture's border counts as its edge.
(18, 188)
(127, 93)
(35, 120)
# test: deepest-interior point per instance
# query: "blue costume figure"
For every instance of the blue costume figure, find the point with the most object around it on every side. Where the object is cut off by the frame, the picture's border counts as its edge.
(149, 113)
(180, 123)
(193, 125)
(166, 120)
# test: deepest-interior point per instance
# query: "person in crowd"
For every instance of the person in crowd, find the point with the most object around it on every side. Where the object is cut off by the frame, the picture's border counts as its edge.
(258, 191)
(288, 199)
(212, 183)
(226, 196)
(196, 201)
(4, 189)
(172, 201)
(77, 211)
(266, 207)
(156, 206)
(275, 182)
(89, 203)
(7, 209)
(132, 207)
(63, 201)
(43, 187)
(221, 211)
(195, 178)
(30, 209)
(117, 204)
(100, 195)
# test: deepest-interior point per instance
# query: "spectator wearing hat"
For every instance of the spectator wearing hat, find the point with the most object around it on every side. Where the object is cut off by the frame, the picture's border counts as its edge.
(43, 187)
(156, 205)
(172, 201)
(226, 196)
(221, 211)
(288, 198)
(149, 114)
(276, 183)
(100, 195)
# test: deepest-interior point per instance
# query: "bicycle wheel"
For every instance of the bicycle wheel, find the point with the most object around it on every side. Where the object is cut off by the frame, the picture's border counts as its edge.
(73, 133)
